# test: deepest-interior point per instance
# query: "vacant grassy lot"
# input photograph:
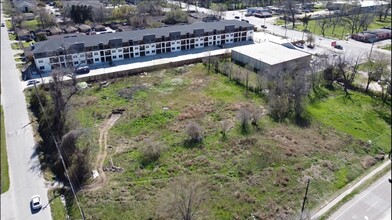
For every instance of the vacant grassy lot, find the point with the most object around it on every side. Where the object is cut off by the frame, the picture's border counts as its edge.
(263, 172)
(5, 181)
(387, 47)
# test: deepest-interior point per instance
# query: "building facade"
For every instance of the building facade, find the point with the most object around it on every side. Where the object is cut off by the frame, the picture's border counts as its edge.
(80, 50)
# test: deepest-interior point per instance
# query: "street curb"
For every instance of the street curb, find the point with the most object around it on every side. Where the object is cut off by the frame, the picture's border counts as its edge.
(330, 204)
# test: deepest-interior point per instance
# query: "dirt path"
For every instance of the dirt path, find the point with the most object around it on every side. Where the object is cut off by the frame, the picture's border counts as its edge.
(103, 135)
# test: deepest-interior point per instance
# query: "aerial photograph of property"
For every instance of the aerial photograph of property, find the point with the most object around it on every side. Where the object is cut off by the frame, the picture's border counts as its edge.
(196, 110)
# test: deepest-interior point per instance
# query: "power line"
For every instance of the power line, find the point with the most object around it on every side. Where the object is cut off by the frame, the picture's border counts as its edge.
(58, 150)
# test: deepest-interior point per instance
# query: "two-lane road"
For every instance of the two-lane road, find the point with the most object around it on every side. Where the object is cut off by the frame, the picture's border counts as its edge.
(374, 203)
(25, 177)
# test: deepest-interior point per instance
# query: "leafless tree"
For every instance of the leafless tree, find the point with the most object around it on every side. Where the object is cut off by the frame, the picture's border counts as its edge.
(225, 127)
(185, 198)
(244, 117)
(195, 132)
(346, 69)
(324, 24)
(45, 18)
(290, 10)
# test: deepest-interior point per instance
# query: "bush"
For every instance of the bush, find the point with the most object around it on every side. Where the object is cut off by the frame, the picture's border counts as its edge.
(176, 16)
(194, 132)
(150, 152)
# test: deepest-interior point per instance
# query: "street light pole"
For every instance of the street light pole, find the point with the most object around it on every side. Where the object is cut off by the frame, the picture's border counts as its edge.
(371, 49)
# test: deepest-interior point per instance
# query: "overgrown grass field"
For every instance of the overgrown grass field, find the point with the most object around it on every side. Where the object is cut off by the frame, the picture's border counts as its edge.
(263, 173)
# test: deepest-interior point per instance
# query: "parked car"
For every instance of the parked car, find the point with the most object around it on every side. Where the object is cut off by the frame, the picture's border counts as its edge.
(32, 82)
(2, 25)
(237, 17)
(300, 46)
(82, 70)
(36, 202)
(339, 47)
(310, 46)
(245, 20)
(263, 26)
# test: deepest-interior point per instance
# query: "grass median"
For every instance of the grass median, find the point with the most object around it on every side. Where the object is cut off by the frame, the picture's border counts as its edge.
(5, 181)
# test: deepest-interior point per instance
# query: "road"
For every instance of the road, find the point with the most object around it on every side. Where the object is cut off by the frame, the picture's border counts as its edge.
(372, 203)
(25, 177)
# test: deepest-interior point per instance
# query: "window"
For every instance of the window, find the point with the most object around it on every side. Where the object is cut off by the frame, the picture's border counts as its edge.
(113, 51)
(96, 59)
(209, 38)
(231, 35)
(75, 56)
(120, 56)
(136, 54)
(76, 62)
(178, 42)
(147, 52)
(147, 46)
(81, 55)
(173, 48)
(95, 53)
(136, 48)
(178, 48)
(119, 50)
(153, 51)
(209, 43)
(114, 57)
(40, 61)
(153, 45)
(41, 67)
(196, 45)
(83, 61)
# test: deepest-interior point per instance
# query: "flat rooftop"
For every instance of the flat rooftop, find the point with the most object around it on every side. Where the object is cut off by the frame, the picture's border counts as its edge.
(270, 53)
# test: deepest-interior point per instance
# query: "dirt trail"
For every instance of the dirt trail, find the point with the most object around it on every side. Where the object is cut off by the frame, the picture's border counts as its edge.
(103, 134)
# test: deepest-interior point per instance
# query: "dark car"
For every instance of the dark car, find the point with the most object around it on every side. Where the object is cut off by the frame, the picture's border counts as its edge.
(263, 26)
(32, 82)
(82, 70)
(310, 46)
(237, 17)
(2, 25)
(245, 20)
(339, 47)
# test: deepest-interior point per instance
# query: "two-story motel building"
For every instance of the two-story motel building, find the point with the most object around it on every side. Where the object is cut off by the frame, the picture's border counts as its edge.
(80, 50)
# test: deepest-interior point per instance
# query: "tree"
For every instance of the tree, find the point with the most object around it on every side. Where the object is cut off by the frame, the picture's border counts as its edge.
(194, 132)
(124, 12)
(81, 13)
(218, 9)
(176, 16)
(324, 24)
(346, 69)
(290, 10)
(244, 117)
(45, 18)
(376, 68)
(184, 199)
(310, 38)
(149, 7)
(305, 21)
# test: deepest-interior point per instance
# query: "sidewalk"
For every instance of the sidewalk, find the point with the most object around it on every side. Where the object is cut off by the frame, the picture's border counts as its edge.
(330, 204)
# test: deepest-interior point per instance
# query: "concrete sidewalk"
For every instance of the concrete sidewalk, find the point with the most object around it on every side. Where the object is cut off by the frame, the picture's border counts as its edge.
(330, 204)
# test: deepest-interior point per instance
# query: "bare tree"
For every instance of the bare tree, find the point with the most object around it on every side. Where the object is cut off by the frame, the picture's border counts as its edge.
(45, 18)
(194, 132)
(324, 24)
(290, 10)
(185, 198)
(244, 117)
(346, 69)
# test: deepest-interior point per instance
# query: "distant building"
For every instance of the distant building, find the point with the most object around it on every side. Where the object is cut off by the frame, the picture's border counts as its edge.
(270, 57)
(25, 6)
(367, 6)
(372, 35)
(79, 49)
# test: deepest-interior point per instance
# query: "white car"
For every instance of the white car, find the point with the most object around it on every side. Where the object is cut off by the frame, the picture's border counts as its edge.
(36, 202)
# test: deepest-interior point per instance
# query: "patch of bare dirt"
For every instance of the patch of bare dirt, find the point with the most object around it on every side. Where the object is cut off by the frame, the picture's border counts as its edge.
(100, 181)
(196, 111)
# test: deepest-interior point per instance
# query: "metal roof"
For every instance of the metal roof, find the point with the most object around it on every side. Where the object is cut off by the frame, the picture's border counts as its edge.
(270, 53)
(55, 42)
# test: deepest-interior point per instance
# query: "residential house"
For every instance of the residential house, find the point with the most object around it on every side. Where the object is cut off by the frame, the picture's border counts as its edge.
(84, 28)
(23, 34)
(25, 6)
(55, 31)
(99, 27)
(70, 30)
(80, 49)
